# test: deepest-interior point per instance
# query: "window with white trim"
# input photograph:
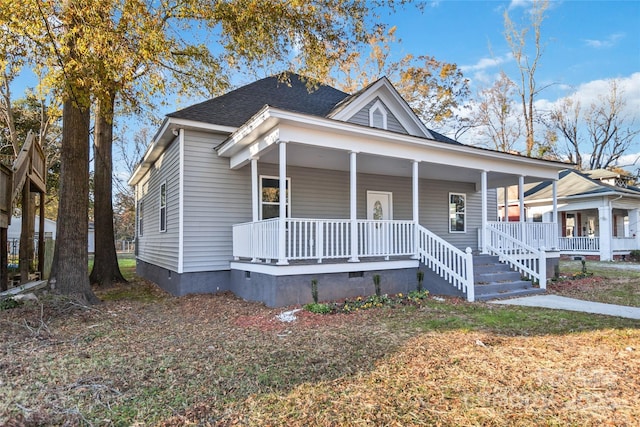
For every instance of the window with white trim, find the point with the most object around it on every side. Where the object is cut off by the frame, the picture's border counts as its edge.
(140, 217)
(270, 197)
(457, 212)
(163, 206)
(378, 115)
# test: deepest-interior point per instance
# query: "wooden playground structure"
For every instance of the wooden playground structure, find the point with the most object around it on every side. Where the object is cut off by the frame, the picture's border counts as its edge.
(27, 177)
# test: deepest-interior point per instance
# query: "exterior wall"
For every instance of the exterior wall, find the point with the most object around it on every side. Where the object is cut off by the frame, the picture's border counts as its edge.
(317, 193)
(153, 246)
(362, 118)
(281, 291)
(215, 198)
(186, 283)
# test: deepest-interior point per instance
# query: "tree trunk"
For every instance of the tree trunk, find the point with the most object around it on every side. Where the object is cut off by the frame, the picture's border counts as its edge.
(105, 264)
(70, 271)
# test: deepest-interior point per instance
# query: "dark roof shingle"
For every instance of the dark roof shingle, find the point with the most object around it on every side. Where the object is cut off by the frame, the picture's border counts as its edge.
(238, 106)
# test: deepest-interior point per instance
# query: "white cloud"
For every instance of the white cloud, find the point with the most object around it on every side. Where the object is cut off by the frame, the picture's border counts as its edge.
(486, 63)
(519, 3)
(590, 92)
(609, 41)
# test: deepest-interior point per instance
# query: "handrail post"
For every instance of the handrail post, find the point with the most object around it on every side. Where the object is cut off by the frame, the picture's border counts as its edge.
(319, 240)
(542, 269)
(469, 275)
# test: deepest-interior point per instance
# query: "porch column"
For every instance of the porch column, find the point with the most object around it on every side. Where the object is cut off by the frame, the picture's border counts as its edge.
(606, 231)
(483, 217)
(416, 212)
(521, 205)
(554, 220)
(506, 204)
(353, 200)
(634, 227)
(255, 197)
(282, 194)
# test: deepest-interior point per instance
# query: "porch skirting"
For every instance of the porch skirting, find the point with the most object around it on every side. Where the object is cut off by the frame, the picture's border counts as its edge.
(294, 289)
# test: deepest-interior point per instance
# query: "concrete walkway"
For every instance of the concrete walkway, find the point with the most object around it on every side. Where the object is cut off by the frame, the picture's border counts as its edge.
(571, 304)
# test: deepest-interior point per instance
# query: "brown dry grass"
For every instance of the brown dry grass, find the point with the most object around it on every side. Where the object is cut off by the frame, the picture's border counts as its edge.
(145, 358)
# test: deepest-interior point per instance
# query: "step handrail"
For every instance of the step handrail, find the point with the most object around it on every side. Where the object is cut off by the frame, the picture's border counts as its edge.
(449, 262)
(521, 257)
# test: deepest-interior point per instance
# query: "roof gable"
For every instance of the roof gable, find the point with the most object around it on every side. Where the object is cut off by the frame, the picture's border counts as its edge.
(238, 106)
(384, 91)
(572, 183)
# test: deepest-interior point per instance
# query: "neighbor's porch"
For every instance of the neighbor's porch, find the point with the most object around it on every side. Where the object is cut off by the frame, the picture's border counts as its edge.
(603, 231)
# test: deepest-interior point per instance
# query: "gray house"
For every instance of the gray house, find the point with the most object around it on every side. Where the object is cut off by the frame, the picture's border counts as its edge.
(369, 190)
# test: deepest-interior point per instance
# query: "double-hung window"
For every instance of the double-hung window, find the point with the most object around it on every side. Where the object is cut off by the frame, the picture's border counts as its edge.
(163, 206)
(270, 197)
(457, 213)
(140, 217)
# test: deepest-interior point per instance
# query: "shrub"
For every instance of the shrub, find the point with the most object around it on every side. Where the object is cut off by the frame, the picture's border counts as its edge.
(420, 275)
(318, 308)
(314, 290)
(376, 282)
(9, 303)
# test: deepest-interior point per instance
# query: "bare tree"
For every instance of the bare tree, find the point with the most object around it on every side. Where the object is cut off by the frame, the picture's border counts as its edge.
(527, 64)
(609, 130)
(494, 116)
(565, 119)
(603, 131)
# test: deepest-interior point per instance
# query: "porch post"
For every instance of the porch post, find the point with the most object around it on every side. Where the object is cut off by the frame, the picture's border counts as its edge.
(255, 201)
(353, 206)
(634, 227)
(483, 189)
(606, 230)
(506, 204)
(282, 228)
(416, 212)
(523, 238)
(556, 232)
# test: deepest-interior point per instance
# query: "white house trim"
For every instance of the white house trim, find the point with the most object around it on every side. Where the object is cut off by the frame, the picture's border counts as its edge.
(378, 106)
(296, 269)
(282, 232)
(181, 204)
(384, 90)
(165, 136)
(273, 125)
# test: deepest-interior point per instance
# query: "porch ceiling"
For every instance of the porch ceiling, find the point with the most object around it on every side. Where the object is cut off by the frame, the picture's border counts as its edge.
(331, 159)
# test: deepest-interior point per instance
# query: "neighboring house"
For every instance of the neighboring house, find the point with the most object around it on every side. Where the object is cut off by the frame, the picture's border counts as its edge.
(598, 212)
(369, 190)
(15, 228)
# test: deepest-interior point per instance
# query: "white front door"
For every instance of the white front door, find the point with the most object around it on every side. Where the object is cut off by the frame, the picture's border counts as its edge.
(379, 205)
(378, 236)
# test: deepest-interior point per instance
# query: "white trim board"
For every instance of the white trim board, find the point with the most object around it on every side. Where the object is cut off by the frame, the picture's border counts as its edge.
(301, 269)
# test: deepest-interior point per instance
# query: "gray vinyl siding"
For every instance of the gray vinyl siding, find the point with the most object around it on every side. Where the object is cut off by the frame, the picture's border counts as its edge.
(215, 198)
(362, 118)
(155, 247)
(317, 193)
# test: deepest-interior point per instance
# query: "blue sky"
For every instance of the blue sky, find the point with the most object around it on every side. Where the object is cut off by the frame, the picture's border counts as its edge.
(585, 43)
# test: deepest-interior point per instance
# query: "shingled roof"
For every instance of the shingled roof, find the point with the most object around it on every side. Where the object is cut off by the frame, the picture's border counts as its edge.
(236, 107)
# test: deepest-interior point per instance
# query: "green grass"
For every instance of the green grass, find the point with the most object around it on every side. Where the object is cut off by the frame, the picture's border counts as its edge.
(126, 262)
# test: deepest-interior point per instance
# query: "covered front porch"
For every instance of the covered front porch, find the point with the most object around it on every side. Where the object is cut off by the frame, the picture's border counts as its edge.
(364, 199)
(608, 231)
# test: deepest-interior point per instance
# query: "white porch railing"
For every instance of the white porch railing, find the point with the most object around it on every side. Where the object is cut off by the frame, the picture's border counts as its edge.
(520, 256)
(623, 244)
(535, 234)
(446, 260)
(385, 238)
(579, 244)
(322, 239)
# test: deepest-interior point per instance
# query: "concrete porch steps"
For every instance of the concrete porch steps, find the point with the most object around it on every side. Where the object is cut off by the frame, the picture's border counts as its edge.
(495, 280)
